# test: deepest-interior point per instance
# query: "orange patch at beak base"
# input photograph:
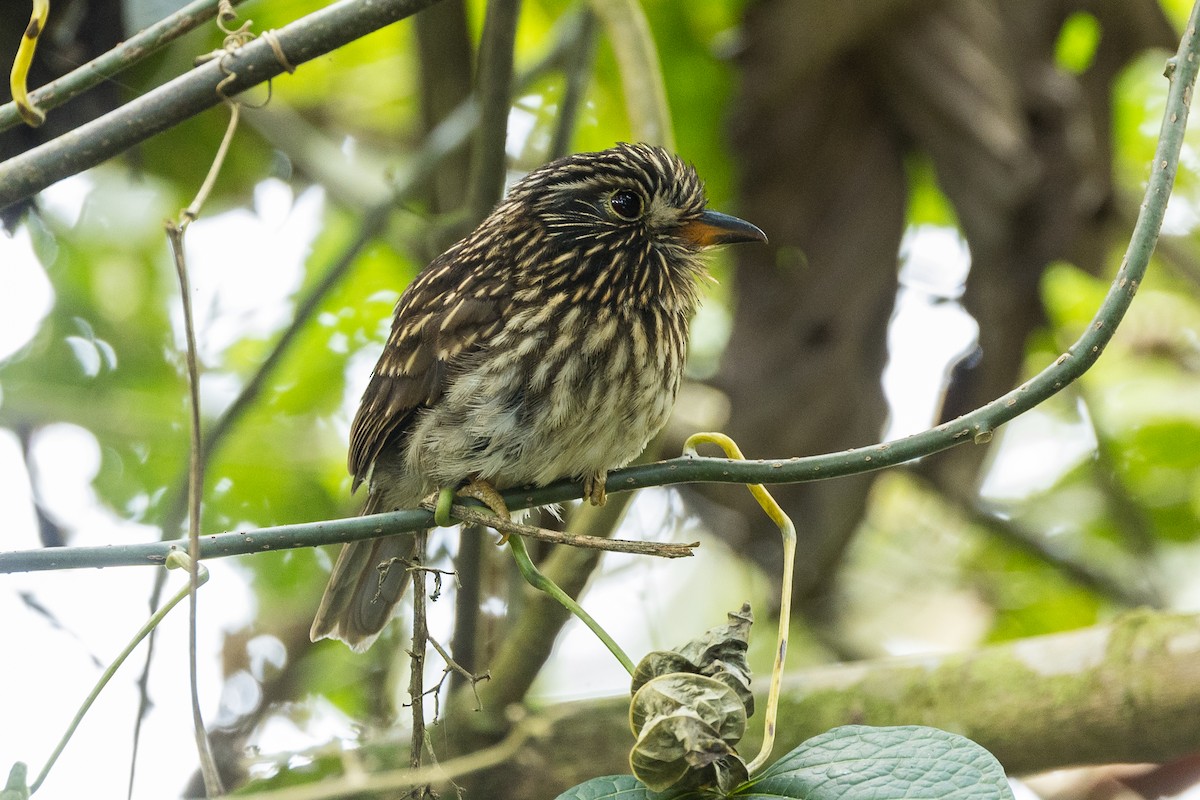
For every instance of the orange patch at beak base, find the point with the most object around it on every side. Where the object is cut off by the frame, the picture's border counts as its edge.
(713, 228)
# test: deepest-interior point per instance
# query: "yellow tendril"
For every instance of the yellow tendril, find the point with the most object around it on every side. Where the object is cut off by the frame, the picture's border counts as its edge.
(32, 115)
(788, 531)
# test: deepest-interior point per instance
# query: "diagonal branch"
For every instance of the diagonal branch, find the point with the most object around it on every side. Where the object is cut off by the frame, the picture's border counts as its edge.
(201, 88)
(126, 54)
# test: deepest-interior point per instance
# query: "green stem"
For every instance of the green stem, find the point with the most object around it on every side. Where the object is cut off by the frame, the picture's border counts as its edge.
(444, 503)
(177, 559)
(534, 577)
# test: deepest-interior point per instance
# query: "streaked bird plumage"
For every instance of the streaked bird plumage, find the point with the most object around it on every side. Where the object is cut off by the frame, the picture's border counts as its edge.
(549, 343)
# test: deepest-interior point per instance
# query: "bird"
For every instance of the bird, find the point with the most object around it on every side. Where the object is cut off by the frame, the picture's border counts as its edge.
(549, 343)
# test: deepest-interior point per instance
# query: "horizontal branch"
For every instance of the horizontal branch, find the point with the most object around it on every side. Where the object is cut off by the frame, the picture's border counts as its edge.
(182, 98)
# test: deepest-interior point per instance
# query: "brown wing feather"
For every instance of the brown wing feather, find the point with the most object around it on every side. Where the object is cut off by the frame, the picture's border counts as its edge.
(441, 316)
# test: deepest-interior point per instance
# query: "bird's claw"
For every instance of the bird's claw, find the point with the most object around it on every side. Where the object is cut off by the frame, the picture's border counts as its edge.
(485, 493)
(593, 488)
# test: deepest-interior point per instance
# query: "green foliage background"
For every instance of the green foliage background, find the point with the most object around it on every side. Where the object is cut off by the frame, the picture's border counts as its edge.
(106, 357)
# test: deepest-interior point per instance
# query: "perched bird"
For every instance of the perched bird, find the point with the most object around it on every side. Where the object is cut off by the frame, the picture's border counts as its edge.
(547, 344)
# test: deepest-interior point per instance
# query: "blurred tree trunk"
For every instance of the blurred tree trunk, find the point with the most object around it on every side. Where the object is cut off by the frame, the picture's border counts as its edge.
(833, 98)
(446, 58)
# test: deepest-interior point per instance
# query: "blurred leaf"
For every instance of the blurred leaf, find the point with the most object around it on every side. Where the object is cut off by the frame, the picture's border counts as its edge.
(16, 788)
(927, 205)
(1071, 295)
(1077, 41)
(1030, 597)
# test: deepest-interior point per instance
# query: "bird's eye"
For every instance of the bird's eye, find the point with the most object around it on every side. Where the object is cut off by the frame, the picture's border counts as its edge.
(626, 204)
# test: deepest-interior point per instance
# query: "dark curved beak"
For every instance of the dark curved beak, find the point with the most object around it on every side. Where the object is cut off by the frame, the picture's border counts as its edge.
(713, 228)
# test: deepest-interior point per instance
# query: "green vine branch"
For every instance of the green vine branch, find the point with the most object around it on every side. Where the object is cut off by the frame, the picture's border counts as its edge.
(197, 90)
(977, 426)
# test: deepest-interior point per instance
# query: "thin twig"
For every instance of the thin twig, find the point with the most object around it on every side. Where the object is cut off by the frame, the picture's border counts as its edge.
(451, 669)
(454, 667)
(193, 210)
(208, 765)
(196, 463)
(506, 526)
(420, 639)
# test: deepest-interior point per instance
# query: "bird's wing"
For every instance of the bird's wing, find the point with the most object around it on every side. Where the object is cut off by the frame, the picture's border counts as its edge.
(443, 314)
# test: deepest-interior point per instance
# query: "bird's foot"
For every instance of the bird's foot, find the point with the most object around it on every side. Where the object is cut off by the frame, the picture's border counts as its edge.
(593, 488)
(485, 493)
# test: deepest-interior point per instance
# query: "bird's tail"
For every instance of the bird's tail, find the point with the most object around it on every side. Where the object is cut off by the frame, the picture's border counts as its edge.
(368, 580)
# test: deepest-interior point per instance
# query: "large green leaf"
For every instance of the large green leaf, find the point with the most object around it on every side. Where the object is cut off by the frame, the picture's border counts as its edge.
(856, 762)
(610, 787)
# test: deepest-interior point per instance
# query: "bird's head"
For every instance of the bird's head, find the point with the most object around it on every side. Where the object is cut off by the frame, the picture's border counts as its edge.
(625, 224)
